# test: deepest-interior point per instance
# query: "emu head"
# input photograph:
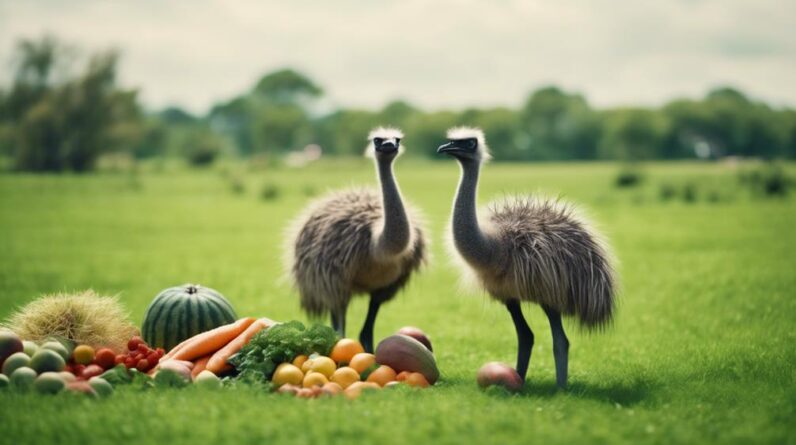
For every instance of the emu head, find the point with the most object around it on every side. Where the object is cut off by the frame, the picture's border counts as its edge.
(466, 144)
(385, 143)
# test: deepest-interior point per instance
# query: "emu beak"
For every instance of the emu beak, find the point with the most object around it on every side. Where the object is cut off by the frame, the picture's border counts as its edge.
(388, 146)
(447, 148)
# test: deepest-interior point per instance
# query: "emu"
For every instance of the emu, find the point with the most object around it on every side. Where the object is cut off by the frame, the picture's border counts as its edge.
(356, 241)
(530, 249)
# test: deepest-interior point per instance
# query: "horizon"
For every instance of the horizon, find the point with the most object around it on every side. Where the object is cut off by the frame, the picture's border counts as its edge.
(439, 57)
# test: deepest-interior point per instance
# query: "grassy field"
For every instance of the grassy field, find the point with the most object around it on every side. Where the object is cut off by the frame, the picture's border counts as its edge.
(702, 349)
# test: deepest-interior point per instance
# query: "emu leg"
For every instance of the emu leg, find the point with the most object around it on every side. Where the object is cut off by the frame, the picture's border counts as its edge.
(338, 321)
(366, 335)
(560, 346)
(524, 337)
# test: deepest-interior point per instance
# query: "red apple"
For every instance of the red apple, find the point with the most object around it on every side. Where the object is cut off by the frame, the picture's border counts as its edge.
(496, 373)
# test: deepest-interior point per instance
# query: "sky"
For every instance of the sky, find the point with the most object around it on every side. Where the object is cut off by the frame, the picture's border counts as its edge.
(434, 54)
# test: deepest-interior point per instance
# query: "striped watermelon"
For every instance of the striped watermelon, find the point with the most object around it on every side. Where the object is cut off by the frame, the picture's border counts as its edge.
(181, 312)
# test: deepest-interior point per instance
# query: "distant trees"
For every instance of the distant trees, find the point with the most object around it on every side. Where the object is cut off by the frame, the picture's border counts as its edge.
(56, 120)
(53, 118)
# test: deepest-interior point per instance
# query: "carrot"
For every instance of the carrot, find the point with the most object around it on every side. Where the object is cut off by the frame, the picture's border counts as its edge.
(218, 362)
(211, 341)
(199, 365)
(175, 349)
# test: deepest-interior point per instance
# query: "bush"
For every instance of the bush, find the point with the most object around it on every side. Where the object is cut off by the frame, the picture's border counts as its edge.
(270, 192)
(628, 177)
(667, 192)
(769, 180)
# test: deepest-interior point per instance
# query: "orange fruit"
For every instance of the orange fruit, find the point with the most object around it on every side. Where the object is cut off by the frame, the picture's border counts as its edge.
(356, 388)
(345, 376)
(332, 389)
(382, 375)
(345, 349)
(299, 360)
(417, 380)
(362, 361)
(314, 379)
(402, 376)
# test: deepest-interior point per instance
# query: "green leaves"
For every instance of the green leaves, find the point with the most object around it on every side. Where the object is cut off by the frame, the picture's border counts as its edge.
(257, 360)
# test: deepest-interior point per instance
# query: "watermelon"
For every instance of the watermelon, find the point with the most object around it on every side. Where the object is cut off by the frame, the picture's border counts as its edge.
(179, 313)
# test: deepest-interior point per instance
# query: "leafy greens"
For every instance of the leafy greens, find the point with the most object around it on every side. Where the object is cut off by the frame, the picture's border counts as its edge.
(257, 361)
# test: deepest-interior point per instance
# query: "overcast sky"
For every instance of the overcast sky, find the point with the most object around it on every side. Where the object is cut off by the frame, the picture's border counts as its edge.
(436, 54)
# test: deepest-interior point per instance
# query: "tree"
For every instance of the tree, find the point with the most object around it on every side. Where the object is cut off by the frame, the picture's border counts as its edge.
(560, 126)
(286, 87)
(67, 124)
(633, 134)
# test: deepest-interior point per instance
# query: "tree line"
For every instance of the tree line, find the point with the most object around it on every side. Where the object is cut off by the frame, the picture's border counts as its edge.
(56, 118)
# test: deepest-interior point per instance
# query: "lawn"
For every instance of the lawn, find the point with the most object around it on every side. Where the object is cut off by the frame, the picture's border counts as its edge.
(702, 349)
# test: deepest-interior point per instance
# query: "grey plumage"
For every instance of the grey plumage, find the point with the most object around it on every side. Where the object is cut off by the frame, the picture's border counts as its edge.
(357, 241)
(553, 258)
(333, 246)
(530, 249)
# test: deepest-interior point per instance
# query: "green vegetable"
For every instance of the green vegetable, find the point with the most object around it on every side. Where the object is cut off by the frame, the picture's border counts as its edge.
(257, 361)
(117, 375)
(166, 378)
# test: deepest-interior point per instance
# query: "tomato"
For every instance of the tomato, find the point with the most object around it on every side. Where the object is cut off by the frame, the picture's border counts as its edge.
(130, 362)
(120, 358)
(143, 348)
(133, 343)
(142, 365)
(153, 358)
(105, 358)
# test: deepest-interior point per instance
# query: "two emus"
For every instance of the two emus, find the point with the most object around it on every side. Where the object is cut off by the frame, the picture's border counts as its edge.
(527, 249)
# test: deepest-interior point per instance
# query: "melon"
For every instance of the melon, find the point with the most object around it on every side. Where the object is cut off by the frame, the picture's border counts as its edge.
(404, 353)
(29, 347)
(58, 347)
(47, 360)
(22, 378)
(49, 383)
(4, 381)
(179, 313)
(15, 361)
(101, 386)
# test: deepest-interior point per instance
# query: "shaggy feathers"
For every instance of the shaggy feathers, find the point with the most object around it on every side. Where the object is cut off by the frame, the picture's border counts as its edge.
(554, 258)
(458, 133)
(333, 244)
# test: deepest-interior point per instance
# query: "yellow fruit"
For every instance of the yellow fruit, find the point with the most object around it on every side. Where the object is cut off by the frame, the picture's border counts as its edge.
(314, 379)
(83, 354)
(383, 375)
(345, 376)
(324, 365)
(362, 361)
(355, 390)
(306, 365)
(299, 360)
(287, 373)
(345, 349)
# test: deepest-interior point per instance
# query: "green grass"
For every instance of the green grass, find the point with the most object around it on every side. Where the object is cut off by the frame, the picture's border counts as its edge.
(702, 349)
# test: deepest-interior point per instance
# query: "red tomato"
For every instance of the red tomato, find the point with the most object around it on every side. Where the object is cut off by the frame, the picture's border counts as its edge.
(161, 352)
(120, 358)
(153, 358)
(132, 345)
(142, 347)
(143, 365)
(77, 369)
(129, 362)
(105, 358)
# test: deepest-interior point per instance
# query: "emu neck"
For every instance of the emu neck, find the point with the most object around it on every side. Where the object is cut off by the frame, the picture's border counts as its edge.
(471, 242)
(395, 233)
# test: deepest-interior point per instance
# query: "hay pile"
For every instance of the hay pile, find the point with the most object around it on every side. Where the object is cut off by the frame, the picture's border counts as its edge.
(84, 318)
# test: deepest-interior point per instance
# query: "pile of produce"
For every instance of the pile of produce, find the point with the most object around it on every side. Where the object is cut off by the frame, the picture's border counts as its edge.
(309, 362)
(83, 318)
(89, 346)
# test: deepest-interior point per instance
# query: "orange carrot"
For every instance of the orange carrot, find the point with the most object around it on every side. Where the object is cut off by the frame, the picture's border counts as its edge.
(211, 341)
(218, 363)
(199, 365)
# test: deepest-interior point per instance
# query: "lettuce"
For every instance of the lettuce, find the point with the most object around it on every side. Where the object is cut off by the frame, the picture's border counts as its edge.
(257, 361)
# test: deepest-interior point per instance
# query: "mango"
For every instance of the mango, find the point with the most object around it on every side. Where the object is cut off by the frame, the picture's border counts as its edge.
(404, 353)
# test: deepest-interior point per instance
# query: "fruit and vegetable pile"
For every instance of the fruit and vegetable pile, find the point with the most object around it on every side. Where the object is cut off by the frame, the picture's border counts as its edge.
(191, 335)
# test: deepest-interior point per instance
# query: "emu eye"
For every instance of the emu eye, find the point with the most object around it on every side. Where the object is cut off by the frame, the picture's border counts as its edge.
(471, 143)
(378, 141)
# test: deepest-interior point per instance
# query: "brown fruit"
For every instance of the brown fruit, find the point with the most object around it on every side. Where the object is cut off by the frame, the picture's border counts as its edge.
(496, 373)
(417, 334)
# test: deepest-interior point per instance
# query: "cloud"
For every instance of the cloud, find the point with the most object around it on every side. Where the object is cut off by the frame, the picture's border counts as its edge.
(434, 54)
